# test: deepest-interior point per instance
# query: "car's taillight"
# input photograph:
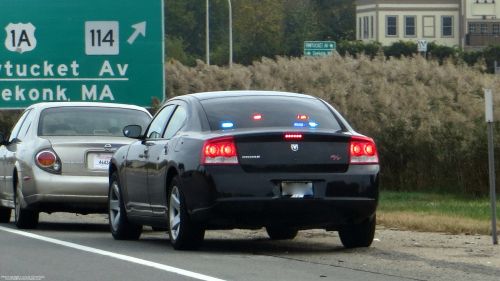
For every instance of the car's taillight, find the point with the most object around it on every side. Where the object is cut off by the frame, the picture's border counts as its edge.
(219, 151)
(362, 150)
(47, 160)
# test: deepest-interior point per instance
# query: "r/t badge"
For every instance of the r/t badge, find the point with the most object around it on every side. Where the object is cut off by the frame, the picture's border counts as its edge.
(20, 37)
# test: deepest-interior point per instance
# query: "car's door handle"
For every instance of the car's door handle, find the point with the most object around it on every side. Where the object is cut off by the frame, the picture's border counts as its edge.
(150, 143)
(166, 149)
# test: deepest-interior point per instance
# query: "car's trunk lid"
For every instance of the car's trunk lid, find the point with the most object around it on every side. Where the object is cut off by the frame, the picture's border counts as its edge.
(307, 152)
(86, 156)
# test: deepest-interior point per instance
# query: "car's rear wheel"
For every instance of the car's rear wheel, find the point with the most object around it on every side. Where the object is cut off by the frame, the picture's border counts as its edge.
(24, 218)
(184, 234)
(121, 227)
(358, 235)
(281, 233)
(5, 214)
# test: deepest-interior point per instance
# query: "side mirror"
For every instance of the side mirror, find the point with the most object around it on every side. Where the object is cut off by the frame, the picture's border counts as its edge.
(132, 131)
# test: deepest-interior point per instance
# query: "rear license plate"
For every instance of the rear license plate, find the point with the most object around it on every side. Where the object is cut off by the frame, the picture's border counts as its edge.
(296, 189)
(101, 161)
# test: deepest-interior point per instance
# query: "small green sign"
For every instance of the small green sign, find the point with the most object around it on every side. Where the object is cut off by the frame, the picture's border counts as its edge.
(81, 50)
(319, 48)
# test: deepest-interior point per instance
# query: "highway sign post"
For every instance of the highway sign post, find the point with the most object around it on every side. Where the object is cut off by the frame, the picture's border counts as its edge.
(319, 48)
(488, 102)
(86, 50)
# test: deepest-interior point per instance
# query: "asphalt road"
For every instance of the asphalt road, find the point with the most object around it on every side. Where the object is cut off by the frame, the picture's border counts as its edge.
(71, 247)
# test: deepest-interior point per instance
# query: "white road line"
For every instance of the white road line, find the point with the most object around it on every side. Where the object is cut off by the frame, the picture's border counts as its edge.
(114, 255)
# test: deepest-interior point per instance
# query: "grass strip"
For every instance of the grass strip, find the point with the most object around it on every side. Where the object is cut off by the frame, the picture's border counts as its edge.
(430, 212)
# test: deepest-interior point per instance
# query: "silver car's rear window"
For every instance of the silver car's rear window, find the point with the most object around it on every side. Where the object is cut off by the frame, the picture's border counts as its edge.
(268, 112)
(89, 121)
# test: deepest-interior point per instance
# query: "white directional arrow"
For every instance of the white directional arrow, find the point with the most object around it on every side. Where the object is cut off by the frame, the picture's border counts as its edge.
(139, 28)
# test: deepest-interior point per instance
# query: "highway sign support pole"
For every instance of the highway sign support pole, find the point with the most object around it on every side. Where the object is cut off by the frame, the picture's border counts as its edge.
(230, 35)
(488, 98)
(208, 35)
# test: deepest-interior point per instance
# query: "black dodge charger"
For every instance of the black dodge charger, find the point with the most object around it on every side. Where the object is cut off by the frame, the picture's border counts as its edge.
(245, 159)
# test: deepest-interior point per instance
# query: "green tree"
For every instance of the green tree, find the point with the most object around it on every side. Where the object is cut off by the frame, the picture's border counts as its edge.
(179, 23)
(301, 24)
(259, 29)
(338, 18)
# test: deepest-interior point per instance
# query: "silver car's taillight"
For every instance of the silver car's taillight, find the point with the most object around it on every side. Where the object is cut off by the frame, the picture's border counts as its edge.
(48, 161)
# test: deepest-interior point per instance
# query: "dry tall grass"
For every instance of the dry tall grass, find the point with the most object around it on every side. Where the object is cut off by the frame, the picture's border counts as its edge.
(427, 119)
(433, 223)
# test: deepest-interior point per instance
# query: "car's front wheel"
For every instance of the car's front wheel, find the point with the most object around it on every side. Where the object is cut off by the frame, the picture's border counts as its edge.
(121, 227)
(5, 214)
(281, 233)
(24, 218)
(184, 234)
(358, 235)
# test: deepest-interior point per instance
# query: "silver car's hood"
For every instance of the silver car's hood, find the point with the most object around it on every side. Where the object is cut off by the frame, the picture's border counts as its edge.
(87, 155)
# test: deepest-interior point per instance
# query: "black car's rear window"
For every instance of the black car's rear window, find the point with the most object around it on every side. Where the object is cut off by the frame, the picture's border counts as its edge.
(89, 121)
(268, 111)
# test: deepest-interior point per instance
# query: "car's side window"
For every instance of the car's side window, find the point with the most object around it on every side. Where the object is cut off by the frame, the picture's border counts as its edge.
(158, 125)
(17, 127)
(26, 125)
(176, 122)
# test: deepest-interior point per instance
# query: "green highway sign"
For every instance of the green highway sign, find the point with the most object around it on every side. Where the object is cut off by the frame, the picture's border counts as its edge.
(319, 48)
(81, 50)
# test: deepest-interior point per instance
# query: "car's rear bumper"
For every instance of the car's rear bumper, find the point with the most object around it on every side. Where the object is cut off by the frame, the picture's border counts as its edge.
(300, 213)
(227, 197)
(65, 192)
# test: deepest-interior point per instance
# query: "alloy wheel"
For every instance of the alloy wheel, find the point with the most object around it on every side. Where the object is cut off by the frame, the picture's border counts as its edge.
(114, 205)
(174, 213)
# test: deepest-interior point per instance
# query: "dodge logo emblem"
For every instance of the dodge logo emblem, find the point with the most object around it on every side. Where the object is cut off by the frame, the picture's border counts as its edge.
(295, 147)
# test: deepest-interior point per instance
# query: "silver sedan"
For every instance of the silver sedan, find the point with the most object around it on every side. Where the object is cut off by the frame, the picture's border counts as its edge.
(57, 155)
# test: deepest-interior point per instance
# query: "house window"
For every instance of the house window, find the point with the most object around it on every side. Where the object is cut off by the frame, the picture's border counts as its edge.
(496, 29)
(359, 25)
(410, 26)
(484, 28)
(472, 28)
(392, 26)
(365, 27)
(447, 26)
(371, 27)
(429, 26)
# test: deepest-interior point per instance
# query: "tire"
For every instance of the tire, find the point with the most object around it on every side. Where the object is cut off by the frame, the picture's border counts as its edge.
(358, 235)
(121, 228)
(24, 219)
(281, 233)
(5, 214)
(184, 234)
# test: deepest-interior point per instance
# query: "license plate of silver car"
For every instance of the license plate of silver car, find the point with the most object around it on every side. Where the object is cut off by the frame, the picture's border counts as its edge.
(296, 189)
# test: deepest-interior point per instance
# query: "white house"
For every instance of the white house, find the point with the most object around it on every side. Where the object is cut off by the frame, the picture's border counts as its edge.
(468, 24)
